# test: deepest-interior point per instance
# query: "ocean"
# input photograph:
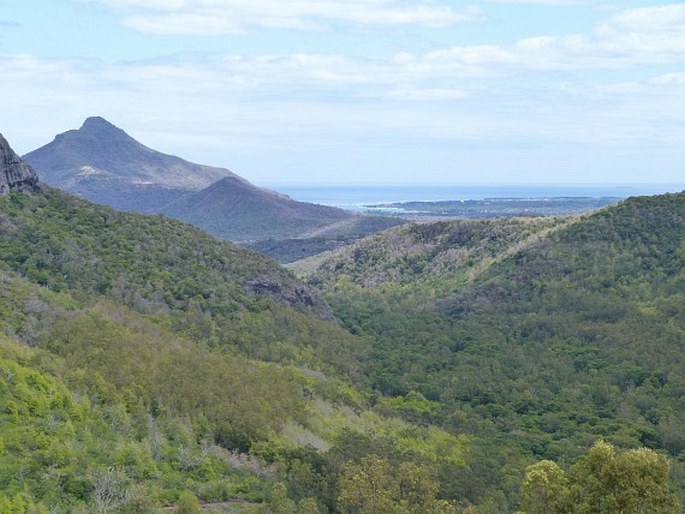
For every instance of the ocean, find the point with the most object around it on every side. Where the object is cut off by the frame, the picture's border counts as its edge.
(356, 197)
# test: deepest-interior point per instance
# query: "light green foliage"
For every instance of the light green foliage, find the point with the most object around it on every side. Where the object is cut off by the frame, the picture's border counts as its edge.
(545, 489)
(39, 424)
(521, 340)
(106, 449)
(280, 503)
(308, 506)
(187, 504)
(413, 406)
(21, 503)
(373, 486)
(634, 482)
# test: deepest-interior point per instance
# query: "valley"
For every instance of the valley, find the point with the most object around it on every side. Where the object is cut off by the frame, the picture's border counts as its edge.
(433, 367)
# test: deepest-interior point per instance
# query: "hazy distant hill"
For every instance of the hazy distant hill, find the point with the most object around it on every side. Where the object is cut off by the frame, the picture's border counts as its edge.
(102, 163)
(234, 209)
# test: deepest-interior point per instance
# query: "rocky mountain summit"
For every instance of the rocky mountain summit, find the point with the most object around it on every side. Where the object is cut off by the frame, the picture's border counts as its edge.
(15, 174)
(102, 163)
(101, 151)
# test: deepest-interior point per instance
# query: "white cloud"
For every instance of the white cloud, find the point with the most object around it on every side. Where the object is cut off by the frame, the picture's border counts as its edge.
(670, 80)
(215, 17)
(309, 94)
(426, 95)
(632, 38)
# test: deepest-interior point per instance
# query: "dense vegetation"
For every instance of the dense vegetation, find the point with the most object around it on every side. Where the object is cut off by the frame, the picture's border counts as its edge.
(534, 337)
(209, 291)
(134, 372)
(144, 364)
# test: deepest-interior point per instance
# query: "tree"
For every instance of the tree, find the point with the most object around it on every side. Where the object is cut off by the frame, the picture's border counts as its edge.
(373, 486)
(188, 504)
(545, 489)
(368, 487)
(635, 482)
(280, 503)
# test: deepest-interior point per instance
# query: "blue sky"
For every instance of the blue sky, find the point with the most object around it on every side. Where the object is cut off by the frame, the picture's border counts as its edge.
(333, 91)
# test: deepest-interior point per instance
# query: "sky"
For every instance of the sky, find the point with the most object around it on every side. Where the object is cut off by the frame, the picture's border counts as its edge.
(362, 91)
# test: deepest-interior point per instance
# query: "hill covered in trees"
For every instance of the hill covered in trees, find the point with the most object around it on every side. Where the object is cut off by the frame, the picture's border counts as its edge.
(146, 365)
(143, 362)
(546, 335)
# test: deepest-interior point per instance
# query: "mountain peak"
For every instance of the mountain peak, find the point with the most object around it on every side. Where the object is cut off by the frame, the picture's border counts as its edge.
(15, 174)
(122, 164)
(99, 126)
(94, 121)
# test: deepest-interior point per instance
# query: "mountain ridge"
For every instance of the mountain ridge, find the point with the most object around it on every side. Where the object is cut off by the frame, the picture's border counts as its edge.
(262, 212)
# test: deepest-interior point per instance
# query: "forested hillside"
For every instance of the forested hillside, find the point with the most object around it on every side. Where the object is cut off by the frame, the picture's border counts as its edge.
(539, 336)
(146, 366)
(145, 363)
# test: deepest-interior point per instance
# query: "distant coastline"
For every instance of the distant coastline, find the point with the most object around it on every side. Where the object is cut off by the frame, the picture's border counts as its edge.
(358, 197)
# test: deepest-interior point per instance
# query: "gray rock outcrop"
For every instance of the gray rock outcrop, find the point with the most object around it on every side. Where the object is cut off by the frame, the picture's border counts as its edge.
(15, 174)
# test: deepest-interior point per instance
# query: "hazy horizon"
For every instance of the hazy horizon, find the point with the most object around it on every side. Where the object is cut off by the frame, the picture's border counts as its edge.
(354, 196)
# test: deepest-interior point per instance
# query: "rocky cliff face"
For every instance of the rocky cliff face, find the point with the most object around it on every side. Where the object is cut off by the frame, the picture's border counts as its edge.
(15, 174)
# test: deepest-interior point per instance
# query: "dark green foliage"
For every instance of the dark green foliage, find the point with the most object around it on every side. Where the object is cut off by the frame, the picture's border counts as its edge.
(536, 337)
(152, 263)
(207, 290)
(522, 339)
